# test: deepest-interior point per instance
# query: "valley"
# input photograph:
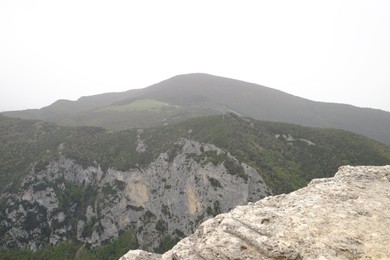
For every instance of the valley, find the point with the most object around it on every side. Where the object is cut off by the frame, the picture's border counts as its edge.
(100, 192)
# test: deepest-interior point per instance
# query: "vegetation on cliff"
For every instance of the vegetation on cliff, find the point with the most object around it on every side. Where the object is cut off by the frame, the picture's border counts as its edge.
(286, 156)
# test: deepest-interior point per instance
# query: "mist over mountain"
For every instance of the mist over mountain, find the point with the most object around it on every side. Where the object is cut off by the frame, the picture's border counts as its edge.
(141, 169)
(193, 95)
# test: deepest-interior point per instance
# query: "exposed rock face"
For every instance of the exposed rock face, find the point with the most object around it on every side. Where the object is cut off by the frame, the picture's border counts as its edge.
(345, 217)
(165, 200)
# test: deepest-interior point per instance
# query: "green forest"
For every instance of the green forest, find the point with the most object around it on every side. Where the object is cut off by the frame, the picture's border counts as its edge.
(287, 156)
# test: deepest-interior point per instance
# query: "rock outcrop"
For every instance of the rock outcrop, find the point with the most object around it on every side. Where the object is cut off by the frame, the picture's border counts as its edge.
(344, 217)
(164, 201)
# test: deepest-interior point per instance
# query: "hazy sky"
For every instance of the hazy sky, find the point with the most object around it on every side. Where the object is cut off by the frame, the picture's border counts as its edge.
(336, 51)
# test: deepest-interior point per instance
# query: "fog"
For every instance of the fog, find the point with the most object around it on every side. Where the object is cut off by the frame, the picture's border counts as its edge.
(333, 51)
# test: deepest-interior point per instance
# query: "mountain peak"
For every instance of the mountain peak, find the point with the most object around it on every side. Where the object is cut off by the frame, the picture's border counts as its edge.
(199, 94)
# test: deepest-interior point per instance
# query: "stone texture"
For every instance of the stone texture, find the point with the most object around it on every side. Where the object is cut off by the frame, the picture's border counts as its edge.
(140, 254)
(170, 196)
(345, 217)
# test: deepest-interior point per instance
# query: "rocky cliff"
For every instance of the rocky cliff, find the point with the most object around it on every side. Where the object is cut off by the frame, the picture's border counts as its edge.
(90, 193)
(345, 217)
(158, 204)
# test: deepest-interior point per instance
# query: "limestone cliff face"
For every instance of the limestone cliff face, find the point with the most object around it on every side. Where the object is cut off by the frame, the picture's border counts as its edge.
(345, 217)
(163, 201)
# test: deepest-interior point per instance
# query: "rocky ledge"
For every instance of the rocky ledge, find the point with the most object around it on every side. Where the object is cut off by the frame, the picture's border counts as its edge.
(344, 217)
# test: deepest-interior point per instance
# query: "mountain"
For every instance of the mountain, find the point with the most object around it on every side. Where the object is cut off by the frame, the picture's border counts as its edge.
(193, 95)
(331, 218)
(92, 193)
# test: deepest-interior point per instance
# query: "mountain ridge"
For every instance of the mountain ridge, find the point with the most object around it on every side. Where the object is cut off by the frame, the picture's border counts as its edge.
(199, 94)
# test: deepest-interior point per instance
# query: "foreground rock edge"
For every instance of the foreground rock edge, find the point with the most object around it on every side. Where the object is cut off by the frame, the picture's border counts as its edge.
(344, 217)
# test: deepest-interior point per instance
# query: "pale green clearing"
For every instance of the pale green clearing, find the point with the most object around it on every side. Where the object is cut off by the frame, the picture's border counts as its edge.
(138, 105)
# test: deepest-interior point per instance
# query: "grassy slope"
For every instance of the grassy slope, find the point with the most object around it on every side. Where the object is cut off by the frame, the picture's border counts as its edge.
(201, 94)
(140, 104)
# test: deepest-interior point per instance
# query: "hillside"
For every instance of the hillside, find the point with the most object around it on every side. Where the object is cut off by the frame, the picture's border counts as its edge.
(193, 95)
(99, 193)
(345, 217)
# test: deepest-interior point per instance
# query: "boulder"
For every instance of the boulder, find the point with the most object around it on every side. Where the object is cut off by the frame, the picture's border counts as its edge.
(344, 217)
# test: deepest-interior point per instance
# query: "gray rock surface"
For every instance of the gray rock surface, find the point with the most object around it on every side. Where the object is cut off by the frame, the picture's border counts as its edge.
(344, 217)
(169, 197)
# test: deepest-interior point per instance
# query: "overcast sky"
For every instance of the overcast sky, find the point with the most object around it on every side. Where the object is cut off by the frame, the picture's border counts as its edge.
(334, 51)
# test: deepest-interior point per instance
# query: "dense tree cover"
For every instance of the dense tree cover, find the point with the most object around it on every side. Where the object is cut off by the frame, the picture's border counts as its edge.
(287, 156)
(74, 250)
(285, 164)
